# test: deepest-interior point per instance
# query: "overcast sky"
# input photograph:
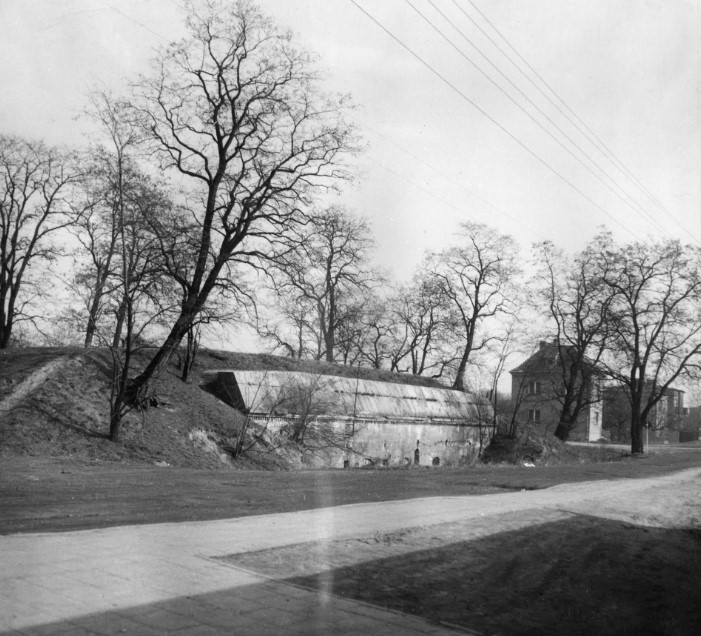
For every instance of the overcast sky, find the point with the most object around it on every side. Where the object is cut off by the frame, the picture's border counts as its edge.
(441, 151)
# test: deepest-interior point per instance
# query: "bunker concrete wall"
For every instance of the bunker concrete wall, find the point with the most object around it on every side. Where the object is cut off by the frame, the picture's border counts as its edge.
(390, 443)
(396, 443)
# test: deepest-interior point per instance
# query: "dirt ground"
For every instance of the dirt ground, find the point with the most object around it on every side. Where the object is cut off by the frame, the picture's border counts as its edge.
(52, 494)
(610, 566)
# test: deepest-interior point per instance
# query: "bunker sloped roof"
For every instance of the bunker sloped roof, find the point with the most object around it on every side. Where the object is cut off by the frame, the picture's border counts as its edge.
(282, 392)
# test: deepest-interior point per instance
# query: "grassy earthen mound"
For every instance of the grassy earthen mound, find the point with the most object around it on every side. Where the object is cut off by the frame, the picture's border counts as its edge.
(54, 402)
(533, 447)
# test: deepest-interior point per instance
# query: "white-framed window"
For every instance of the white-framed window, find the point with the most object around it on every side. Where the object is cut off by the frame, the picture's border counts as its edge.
(534, 387)
(534, 415)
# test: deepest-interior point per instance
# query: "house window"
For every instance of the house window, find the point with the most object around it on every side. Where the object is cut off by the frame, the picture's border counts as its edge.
(534, 415)
(534, 388)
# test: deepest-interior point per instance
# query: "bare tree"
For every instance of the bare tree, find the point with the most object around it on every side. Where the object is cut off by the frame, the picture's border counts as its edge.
(35, 185)
(423, 328)
(475, 276)
(656, 322)
(127, 273)
(109, 172)
(578, 301)
(327, 270)
(235, 110)
(289, 325)
(508, 340)
(374, 335)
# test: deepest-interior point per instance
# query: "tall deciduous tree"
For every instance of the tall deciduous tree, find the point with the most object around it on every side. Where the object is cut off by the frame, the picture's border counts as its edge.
(578, 302)
(656, 322)
(35, 183)
(235, 109)
(476, 276)
(111, 173)
(423, 320)
(121, 233)
(326, 271)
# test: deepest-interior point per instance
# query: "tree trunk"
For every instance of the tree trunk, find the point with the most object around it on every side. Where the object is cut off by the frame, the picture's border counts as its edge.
(121, 311)
(636, 435)
(330, 337)
(89, 332)
(562, 432)
(188, 354)
(91, 327)
(5, 332)
(6, 320)
(95, 304)
(140, 388)
(459, 384)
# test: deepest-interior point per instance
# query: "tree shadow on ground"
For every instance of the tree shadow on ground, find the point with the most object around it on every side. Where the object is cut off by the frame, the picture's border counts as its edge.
(581, 575)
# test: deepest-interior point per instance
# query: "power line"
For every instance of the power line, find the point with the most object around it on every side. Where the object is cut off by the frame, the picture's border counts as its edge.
(492, 119)
(592, 137)
(442, 174)
(128, 17)
(629, 201)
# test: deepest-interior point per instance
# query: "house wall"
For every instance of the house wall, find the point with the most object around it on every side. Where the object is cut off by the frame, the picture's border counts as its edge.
(665, 418)
(588, 427)
(383, 442)
(594, 422)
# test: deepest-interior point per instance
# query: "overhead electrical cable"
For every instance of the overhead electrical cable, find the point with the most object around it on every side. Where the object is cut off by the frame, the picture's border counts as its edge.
(624, 196)
(433, 195)
(492, 119)
(135, 21)
(582, 126)
(442, 174)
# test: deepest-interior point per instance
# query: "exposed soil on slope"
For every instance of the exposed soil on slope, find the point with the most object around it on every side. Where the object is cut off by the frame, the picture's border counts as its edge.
(54, 403)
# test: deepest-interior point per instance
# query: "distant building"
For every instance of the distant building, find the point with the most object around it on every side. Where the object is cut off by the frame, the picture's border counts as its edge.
(537, 389)
(665, 420)
(691, 426)
(353, 421)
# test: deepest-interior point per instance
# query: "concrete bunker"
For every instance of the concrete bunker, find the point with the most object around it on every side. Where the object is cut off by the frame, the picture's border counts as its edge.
(364, 422)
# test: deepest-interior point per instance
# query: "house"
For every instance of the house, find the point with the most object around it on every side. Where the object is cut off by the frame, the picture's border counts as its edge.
(537, 390)
(691, 426)
(357, 421)
(665, 420)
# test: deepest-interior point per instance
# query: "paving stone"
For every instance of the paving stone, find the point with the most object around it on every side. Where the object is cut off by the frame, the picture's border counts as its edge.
(57, 629)
(165, 620)
(109, 623)
(275, 617)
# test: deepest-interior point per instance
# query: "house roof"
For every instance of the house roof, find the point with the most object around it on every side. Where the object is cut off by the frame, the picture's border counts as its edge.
(285, 392)
(546, 360)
